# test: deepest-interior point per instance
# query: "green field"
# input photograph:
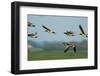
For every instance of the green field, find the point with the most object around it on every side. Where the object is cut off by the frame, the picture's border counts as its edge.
(34, 54)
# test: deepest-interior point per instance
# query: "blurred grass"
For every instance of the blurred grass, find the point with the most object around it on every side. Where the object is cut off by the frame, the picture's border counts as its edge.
(34, 54)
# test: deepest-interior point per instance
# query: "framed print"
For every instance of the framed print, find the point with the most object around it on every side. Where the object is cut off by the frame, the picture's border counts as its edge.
(52, 37)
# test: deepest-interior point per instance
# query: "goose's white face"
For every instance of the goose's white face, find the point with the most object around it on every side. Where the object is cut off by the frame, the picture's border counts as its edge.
(32, 36)
(49, 31)
(84, 36)
(81, 33)
(70, 34)
(73, 46)
(66, 46)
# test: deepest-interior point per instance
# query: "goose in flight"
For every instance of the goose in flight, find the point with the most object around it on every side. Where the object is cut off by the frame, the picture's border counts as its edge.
(33, 35)
(69, 33)
(67, 46)
(48, 29)
(82, 31)
(30, 24)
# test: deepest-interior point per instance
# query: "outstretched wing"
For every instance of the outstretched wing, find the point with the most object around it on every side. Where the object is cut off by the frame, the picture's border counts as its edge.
(81, 29)
(46, 28)
(66, 49)
(74, 48)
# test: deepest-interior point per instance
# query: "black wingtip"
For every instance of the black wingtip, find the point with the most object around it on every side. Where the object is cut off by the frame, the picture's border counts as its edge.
(80, 26)
(36, 37)
(53, 32)
(65, 51)
(86, 35)
(74, 49)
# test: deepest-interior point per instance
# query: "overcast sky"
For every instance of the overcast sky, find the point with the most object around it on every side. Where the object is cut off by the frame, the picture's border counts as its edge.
(59, 24)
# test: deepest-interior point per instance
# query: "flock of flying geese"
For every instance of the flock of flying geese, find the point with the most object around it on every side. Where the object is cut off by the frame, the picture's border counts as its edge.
(67, 46)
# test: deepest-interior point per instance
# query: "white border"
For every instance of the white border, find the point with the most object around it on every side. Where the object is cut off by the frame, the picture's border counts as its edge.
(26, 65)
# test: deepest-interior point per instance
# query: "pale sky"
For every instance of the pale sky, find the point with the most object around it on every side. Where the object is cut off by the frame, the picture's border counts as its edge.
(59, 24)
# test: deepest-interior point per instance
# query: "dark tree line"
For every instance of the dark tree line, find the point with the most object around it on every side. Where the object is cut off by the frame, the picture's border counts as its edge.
(50, 46)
